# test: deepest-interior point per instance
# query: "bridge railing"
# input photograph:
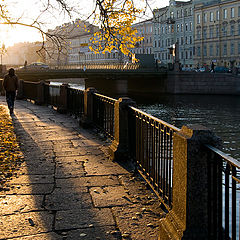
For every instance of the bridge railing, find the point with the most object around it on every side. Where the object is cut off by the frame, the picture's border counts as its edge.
(99, 66)
(197, 183)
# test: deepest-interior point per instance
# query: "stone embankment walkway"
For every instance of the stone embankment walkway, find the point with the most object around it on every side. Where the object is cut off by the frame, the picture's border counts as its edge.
(67, 188)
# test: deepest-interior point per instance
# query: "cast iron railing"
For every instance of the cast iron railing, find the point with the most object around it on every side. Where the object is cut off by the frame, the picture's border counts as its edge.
(224, 195)
(75, 101)
(103, 113)
(151, 144)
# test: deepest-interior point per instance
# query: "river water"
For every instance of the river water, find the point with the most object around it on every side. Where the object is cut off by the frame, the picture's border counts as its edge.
(221, 114)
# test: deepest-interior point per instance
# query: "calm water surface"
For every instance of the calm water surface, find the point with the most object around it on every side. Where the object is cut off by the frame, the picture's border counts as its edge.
(219, 113)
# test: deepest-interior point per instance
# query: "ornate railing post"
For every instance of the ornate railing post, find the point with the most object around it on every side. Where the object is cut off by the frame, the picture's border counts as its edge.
(62, 107)
(120, 145)
(189, 216)
(87, 119)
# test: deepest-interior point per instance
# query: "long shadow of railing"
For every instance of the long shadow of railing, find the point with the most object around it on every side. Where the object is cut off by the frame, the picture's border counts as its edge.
(196, 182)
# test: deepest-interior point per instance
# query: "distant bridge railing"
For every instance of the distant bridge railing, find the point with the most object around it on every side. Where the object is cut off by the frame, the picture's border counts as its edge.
(197, 183)
(100, 66)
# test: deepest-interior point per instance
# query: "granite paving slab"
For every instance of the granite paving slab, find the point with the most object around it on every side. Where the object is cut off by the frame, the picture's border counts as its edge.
(66, 199)
(90, 181)
(109, 196)
(82, 218)
(11, 204)
(23, 224)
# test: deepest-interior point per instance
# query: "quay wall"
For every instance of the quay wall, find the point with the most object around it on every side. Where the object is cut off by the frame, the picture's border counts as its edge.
(203, 83)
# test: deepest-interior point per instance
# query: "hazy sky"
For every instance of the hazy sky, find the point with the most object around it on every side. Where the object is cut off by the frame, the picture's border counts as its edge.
(29, 9)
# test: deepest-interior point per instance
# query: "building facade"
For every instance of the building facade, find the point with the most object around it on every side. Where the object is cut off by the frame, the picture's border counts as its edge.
(75, 40)
(174, 23)
(145, 30)
(217, 33)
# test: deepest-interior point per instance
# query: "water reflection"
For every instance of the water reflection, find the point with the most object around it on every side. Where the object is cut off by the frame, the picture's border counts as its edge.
(221, 114)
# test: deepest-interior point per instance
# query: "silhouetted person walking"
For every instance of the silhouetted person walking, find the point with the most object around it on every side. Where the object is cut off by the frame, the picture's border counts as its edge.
(212, 67)
(10, 84)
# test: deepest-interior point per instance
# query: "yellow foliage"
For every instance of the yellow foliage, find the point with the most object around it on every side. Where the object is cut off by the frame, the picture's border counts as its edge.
(116, 33)
(10, 154)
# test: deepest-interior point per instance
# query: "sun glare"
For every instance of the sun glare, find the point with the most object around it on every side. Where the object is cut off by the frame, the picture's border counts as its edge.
(14, 34)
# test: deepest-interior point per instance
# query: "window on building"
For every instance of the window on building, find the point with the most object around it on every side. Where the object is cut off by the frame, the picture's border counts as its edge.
(205, 17)
(186, 54)
(159, 43)
(232, 32)
(181, 40)
(225, 13)
(190, 54)
(211, 50)
(217, 31)
(205, 33)
(190, 26)
(232, 12)
(172, 27)
(181, 27)
(186, 40)
(239, 11)
(211, 16)
(178, 28)
(198, 51)
(172, 15)
(186, 27)
(181, 55)
(198, 33)
(217, 15)
(217, 50)
(191, 11)
(198, 18)
(181, 13)
(232, 49)
(155, 45)
(177, 13)
(211, 32)
(224, 29)
(190, 39)
(185, 12)
(204, 51)
(225, 49)
(162, 43)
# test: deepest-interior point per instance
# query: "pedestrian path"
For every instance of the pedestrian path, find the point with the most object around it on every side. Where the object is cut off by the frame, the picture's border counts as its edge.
(67, 188)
